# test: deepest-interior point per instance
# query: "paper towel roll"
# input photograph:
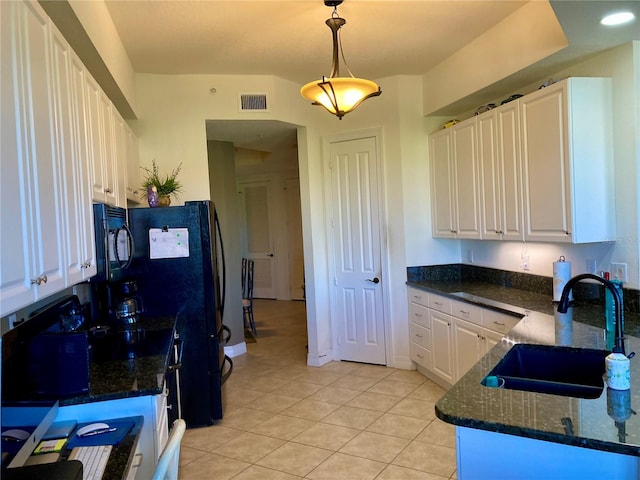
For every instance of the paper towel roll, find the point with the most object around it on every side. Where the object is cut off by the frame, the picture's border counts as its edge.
(564, 327)
(561, 275)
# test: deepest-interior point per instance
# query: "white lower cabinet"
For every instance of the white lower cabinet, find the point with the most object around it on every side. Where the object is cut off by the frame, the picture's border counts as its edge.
(472, 342)
(441, 323)
(448, 337)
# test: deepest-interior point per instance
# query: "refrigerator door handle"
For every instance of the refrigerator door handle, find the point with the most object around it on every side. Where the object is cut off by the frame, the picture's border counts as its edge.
(216, 223)
(178, 347)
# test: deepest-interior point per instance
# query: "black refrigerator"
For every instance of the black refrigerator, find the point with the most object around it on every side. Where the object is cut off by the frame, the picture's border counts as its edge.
(178, 263)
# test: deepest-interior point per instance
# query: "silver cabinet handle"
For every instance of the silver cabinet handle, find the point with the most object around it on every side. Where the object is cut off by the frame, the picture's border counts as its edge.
(40, 280)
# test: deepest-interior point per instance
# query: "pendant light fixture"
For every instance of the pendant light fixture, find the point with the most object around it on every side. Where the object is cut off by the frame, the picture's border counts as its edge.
(339, 95)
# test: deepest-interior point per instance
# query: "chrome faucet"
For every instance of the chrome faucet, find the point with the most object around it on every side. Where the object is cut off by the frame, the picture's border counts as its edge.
(563, 305)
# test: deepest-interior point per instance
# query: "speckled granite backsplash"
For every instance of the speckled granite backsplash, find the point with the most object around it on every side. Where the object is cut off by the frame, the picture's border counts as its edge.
(522, 281)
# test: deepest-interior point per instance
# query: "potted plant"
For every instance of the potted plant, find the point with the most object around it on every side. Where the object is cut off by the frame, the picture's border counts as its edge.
(165, 186)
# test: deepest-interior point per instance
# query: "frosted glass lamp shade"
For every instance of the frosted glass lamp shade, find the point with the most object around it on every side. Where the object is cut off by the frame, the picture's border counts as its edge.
(340, 95)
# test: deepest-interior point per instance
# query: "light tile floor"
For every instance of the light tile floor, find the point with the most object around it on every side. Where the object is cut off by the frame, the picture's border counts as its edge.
(284, 420)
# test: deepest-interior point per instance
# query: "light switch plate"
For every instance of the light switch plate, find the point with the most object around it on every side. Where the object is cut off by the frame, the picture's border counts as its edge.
(619, 272)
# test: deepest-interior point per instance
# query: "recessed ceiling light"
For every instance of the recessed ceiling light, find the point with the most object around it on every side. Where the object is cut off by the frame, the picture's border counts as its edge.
(617, 18)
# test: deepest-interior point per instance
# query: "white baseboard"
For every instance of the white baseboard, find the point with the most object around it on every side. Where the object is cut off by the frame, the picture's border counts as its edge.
(235, 350)
(320, 359)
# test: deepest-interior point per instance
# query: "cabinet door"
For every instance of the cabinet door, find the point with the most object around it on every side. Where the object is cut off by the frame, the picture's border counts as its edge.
(133, 166)
(15, 288)
(120, 158)
(490, 180)
(469, 346)
(442, 337)
(490, 340)
(510, 176)
(66, 149)
(110, 161)
(83, 168)
(545, 163)
(95, 139)
(466, 202)
(499, 158)
(40, 163)
(442, 201)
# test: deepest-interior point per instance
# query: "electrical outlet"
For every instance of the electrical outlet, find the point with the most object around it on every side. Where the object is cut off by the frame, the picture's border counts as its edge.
(524, 262)
(470, 256)
(591, 265)
(619, 272)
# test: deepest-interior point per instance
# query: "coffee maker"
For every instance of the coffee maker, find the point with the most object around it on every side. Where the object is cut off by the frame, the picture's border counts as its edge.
(127, 312)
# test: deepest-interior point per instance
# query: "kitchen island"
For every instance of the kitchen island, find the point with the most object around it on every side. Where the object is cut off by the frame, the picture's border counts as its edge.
(506, 433)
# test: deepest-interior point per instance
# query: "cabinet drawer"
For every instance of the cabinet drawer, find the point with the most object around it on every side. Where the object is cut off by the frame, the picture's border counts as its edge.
(420, 335)
(422, 356)
(418, 296)
(419, 314)
(498, 322)
(466, 311)
(442, 304)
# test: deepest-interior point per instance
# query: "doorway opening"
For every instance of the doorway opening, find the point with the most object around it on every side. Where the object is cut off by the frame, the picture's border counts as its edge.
(254, 182)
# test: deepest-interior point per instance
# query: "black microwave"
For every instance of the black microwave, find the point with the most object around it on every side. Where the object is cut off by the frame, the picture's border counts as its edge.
(114, 243)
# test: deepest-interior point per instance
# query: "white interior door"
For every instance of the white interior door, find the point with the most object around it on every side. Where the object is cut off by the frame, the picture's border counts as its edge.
(294, 239)
(357, 256)
(260, 243)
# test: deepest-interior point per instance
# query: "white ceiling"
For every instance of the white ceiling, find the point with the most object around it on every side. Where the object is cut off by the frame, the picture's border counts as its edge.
(289, 39)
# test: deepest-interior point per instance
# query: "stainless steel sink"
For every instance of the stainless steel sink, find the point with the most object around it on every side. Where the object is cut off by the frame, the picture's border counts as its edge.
(566, 371)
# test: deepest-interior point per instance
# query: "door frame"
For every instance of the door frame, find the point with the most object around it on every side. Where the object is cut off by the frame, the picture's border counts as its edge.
(377, 134)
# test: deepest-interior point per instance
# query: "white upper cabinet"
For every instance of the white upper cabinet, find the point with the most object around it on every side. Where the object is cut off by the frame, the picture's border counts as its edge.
(55, 122)
(539, 168)
(71, 148)
(454, 172)
(442, 201)
(15, 288)
(82, 173)
(105, 147)
(32, 190)
(467, 211)
(119, 157)
(500, 186)
(133, 167)
(567, 162)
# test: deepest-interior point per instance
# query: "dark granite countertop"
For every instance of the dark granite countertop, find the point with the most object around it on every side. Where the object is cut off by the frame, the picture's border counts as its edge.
(118, 370)
(534, 415)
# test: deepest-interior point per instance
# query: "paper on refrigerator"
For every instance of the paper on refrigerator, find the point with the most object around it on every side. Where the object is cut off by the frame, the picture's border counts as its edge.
(168, 243)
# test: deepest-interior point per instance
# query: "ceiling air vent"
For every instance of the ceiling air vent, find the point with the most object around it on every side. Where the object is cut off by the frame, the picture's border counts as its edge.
(254, 102)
